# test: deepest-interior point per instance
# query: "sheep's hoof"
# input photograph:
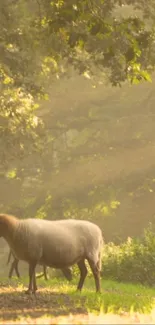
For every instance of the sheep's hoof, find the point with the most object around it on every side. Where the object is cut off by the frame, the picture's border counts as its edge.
(78, 290)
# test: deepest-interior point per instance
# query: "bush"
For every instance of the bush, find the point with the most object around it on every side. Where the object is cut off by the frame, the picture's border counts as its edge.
(132, 261)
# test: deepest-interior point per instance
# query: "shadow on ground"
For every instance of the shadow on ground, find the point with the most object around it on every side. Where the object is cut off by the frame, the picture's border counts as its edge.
(15, 303)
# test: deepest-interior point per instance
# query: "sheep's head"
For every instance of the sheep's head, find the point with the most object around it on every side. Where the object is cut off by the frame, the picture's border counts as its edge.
(2, 224)
(6, 223)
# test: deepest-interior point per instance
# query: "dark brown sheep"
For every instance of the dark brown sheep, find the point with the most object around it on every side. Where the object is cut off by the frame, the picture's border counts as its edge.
(58, 244)
(14, 266)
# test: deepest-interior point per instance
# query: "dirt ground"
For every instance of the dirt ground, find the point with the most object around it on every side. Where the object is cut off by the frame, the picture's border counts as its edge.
(14, 303)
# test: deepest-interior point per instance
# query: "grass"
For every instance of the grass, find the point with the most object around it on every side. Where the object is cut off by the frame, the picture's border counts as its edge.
(57, 301)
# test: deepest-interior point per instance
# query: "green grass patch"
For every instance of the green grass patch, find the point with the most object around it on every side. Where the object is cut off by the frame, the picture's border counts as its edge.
(115, 297)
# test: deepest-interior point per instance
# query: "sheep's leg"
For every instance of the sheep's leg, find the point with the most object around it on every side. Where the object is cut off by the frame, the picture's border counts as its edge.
(67, 273)
(16, 268)
(34, 283)
(83, 274)
(40, 276)
(95, 267)
(9, 257)
(31, 278)
(45, 272)
(12, 268)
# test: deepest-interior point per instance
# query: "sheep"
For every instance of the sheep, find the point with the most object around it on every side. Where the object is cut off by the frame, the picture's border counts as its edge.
(14, 266)
(57, 244)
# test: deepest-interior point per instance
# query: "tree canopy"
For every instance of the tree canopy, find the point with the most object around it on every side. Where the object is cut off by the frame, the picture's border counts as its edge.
(112, 39)
(42, 36)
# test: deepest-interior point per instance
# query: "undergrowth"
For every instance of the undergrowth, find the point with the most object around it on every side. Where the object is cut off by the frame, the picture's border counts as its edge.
(132, 261)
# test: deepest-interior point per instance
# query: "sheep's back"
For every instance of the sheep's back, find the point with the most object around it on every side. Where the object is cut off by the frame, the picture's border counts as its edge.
(64, 242)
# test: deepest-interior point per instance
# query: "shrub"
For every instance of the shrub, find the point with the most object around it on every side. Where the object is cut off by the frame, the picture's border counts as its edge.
(132, 261)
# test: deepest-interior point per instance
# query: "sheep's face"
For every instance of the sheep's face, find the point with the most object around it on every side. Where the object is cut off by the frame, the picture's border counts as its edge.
(1, 228)
(4, 224)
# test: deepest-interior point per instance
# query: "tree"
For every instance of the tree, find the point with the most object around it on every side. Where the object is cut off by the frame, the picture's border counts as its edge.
(94, 36)
(90, 34)
(43, 38)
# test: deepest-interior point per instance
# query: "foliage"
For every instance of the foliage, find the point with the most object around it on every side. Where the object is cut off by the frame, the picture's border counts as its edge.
(83, 33)
(132, 261)
(20, 128)
(96, 37)
(43, 38)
